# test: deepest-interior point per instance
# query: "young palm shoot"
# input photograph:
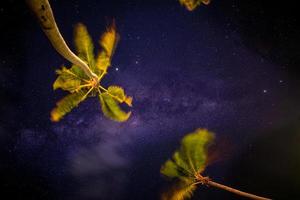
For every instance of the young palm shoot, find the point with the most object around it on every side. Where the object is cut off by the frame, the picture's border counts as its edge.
(187, 165)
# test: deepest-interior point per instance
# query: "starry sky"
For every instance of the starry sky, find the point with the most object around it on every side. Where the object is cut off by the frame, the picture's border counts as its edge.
(230, 67)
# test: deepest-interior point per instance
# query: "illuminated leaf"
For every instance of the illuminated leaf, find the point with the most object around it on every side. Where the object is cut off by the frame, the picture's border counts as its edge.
(128, 101)
(108, 42)
(84, 45)
(79, 72)
(66, 104)
(111, 109)
(66, 80)
(194, 149)
(120, 94)
(191, 158)
(117, 91)
(170, 169)
(179, 191)
(193, 4)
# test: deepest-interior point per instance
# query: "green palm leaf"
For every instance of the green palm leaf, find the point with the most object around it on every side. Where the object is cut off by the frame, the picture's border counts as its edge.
(119, 93)
(67, 103)
(67, 80)
(79, 72)
(181, 190)
(194, 149)
(191, 157)
(84, 45)
(111, 109)
(108, 42)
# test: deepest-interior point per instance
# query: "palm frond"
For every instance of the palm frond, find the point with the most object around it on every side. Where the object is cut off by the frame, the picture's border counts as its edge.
(66, 104)
(111, 109)
(186, 164)
(193, 4)
(194, 148)
(118, 92)
(67, 80)
(191, 157)
(108, 42)
(84, 45)
(179, 191)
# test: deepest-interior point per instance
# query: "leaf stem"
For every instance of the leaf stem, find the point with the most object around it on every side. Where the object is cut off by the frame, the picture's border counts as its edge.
(206, 181)
(102, 88)
(102, 74)
(87, 94)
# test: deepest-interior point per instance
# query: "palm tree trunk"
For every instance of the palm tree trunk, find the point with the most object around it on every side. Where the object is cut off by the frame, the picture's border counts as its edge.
(43, 11)
(235, 191)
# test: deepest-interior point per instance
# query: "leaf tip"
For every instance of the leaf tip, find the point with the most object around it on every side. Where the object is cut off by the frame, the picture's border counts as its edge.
(128, 101)
(54, 116)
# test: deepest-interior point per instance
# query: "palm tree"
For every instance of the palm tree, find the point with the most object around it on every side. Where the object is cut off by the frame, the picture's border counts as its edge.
(187, 166)
(75, 81)
(82, 79)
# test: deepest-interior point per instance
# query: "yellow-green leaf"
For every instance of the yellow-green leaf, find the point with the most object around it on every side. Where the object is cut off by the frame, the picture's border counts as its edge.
(191, 158)
(186, 164)
(111, 109)
(193, 4)
(194, 147)
(66, 104)
(170, 169)
(119, 93)
(84, 45)
(108, 42)
(79, 72)
(183, 189)
(66, 80)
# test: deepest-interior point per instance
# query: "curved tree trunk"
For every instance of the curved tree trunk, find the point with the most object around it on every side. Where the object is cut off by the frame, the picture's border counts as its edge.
(43, 12)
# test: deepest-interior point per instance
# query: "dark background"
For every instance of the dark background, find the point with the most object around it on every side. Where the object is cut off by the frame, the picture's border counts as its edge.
(231, 67)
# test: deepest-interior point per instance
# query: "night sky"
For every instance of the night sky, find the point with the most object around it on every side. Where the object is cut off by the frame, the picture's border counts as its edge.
(230, 67)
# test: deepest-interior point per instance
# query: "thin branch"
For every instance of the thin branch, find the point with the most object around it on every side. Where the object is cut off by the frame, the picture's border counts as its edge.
(43, 11)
